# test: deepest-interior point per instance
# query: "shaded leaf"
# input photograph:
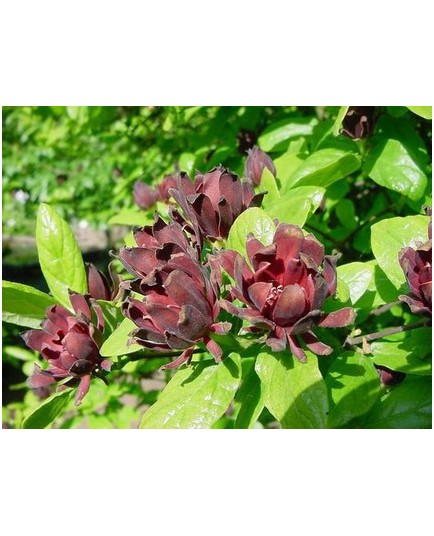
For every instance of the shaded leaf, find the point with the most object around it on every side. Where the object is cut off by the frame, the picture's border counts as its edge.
(118, 342)
(49, 410)
(253, 220)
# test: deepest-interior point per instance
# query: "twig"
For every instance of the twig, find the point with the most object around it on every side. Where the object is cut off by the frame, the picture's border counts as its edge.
(384, 308)
(352, 341)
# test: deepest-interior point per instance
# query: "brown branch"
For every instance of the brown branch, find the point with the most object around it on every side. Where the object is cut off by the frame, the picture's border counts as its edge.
(352, 341)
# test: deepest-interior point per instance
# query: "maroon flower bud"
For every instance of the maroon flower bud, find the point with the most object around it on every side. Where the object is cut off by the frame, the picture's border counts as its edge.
(169, 181)
(156, 244)
(359, 121)
(70, 343)
(98, 285)
(214, 200)
(256, 162)
(286, 289)
(417, 266)
(144, 196)
(388, 376)
(178, 310)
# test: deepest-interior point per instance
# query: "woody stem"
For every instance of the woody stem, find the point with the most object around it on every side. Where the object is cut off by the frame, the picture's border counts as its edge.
(352, 341)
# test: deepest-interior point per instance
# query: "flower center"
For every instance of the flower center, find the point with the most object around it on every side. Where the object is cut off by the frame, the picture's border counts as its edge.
(274, 294)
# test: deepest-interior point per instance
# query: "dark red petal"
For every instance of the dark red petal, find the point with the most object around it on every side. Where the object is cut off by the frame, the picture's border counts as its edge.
(97, 283)
(251, 315)
(138, 261)
(296, 348)
(184, 357)
(40, 378)
(36, 339)
(182, 290)
(338, 319)
(306, 323)
(315, 345)
(206, 215)
(65, 360)
(80, 304)
(192, 323)
(211, 185)
(289, 241)
(313, 248)
(259, 293)
(290, 305)
(83, 389)
(214, 349)
(81, 346)
(329, 273)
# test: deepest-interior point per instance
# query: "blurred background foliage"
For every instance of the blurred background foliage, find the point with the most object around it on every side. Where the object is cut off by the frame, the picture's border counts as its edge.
(84, 160)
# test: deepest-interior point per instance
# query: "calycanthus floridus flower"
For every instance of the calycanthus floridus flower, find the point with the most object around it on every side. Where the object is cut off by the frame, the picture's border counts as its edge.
(285, 289)
(214, 200)
(70, 342)
(417, 267)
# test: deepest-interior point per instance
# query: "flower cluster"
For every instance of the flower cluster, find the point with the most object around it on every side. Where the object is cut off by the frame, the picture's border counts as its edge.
(70, 342)
(284, 289)
(417, 267)
(175, 301)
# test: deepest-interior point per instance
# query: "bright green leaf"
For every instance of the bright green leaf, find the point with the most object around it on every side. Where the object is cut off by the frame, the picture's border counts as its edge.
(354, 387)
(268, 184)
(253, 220)
(277, 136)
(297, 205)
(358, 277)
(131, 216)
(408, 405)
(339, 118)
(59, 256)
(392, 165)
(196, 396)
(294, 392)
(323, 168)
(24, 305)
(423, 111)
(49, 410)
(411, 353)
(118, 342)
(389, 236)
(186, 162)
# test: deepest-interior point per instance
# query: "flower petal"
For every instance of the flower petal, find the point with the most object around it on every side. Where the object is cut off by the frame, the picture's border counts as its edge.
(315, 345)
(290, 305)
(338, 319)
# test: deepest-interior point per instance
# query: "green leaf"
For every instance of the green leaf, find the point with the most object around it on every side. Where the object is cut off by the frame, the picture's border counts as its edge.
(277, 136)
(250, 397)
(354, 387)
(131, 216)
(297, 205)
(294, 392)
(358, 277)
(411, 353)
(422, 111)
(48, 411)
(117, 342)
(253, 220)
(24, 305)
(288, 162)
(389, 236)
(339, 118)
(268, 184)
(323, 168)
(59, 256)
(392, 165)
(196, 396)
(186, 162)
(408, 405)
(346, 214)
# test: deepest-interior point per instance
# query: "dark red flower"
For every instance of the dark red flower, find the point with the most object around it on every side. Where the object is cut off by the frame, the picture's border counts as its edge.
(256, 162)
(156, 244)
(70, 343)
(389, 377)
(178, 310)
(417, 266)
(169, 181)
(359, 121)
(144, 196)
(98, 285)
(214, 200)
(286, 289)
